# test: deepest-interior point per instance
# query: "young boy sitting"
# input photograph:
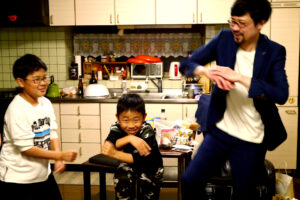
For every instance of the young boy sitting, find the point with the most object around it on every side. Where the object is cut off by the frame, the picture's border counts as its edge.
(132, 141)
(30, 138)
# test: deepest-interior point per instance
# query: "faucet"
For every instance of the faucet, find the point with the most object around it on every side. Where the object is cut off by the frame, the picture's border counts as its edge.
(158, 84)
(159, 80)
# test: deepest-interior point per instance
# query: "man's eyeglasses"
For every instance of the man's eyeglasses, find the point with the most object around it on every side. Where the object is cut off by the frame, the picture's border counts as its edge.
(38, 80)
(240, 24)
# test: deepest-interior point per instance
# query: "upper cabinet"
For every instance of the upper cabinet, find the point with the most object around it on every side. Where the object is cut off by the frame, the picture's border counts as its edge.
(95, 12)
(176, 11)
(214, 11)
(62, 13)
(135, 12)
(285, 28)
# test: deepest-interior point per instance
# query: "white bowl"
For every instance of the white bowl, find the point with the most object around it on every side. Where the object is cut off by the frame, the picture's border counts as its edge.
(96, 90)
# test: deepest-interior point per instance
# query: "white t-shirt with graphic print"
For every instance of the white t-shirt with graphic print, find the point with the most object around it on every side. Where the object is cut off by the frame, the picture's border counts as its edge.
(26, 126)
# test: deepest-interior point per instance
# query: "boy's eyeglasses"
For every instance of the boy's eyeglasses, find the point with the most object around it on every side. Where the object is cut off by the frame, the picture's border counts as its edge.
(37, 80)
(232, 23)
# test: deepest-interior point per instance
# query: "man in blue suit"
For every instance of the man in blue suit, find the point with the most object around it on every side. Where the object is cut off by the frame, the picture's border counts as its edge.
(240, 119)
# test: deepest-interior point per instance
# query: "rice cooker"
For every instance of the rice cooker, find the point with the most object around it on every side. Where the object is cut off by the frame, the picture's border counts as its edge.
(96, 90)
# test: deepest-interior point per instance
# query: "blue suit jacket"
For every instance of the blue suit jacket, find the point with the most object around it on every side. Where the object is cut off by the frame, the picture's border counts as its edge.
(268, 84)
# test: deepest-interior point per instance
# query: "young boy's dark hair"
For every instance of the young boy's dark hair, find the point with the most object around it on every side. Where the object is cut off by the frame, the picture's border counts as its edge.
(27, 65)
(133, 102)
(258, 9)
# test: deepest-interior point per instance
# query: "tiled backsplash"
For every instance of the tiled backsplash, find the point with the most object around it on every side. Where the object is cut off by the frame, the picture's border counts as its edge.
(54, 45)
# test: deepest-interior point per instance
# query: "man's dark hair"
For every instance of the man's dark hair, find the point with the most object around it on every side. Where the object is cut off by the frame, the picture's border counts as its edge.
(258, 9)
(132, 102)
(26, 65)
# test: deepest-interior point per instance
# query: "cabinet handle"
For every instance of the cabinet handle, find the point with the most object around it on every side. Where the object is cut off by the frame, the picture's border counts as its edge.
(79, 124)
(110, 18)
(51, 19)
(80, 151)
(186, 112)
(200, 17)
(79, 137)
(118, 18)
(291, 100)
(78, 110)
(193, 17)
(290, 112)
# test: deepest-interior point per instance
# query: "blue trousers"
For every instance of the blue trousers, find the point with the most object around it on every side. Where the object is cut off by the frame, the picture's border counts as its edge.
(246, 160)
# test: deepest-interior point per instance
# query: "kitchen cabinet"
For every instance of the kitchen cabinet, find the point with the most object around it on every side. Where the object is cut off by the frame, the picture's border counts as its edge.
(95, 12)
(135, 12)
(285, 29)
(176, 11)
(80, 129)
(108, 117)
(61, 13)
(57, 115)
(285, 156)
(214, 11)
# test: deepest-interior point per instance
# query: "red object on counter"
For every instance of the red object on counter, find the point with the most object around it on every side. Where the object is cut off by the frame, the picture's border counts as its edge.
(12, 18)
(136, 61)
(150, 59)
(176, 70)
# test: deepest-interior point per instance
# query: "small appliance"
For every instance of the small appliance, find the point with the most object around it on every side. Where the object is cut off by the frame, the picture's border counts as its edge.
(143, 66)
(174, 71)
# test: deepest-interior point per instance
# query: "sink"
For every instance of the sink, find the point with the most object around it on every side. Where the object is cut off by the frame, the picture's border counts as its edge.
(152, 96)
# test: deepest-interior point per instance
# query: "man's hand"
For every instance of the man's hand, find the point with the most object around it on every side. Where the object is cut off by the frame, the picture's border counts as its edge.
(210, 73)
(59, 166)
(230, 75)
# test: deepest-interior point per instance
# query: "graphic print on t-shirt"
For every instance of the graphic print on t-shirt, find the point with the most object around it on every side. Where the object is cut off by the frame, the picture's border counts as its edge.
(41, 130)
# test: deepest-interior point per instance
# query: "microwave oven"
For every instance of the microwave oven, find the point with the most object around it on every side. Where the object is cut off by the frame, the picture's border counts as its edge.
(141, 70)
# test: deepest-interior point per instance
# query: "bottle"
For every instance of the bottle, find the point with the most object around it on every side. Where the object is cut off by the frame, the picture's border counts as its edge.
(100, 77)
(80, 87)
(163, 114)
(73, 71)
(93, 78)
(124, 86)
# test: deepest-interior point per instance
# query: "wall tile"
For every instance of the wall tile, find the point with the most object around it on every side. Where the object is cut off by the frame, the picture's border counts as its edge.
(44, 52)
(12, 44)
(5, 52)
(4, 44)
(6, 69)
(20, 52)
(21, 44)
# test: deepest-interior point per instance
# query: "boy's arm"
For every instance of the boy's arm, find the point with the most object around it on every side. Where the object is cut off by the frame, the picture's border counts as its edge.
(109, 149)
(141, 145)
(50, 154)
(59, 165)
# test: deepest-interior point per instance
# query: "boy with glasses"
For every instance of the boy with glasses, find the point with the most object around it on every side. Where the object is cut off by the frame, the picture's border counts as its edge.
(241, 121)
(29, 138)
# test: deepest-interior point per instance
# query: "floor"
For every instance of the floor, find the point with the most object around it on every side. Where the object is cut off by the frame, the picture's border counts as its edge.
(75, 192)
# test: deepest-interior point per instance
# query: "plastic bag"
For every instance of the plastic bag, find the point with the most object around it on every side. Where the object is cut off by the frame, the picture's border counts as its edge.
(284, 185)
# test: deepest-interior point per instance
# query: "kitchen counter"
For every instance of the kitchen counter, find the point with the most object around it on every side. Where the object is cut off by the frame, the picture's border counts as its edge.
(76, 99)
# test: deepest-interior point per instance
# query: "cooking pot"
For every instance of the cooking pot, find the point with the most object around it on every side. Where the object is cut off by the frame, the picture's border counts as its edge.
(174, 71)
(96, 90)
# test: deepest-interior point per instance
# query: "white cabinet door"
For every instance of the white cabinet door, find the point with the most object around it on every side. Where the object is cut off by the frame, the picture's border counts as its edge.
(85, 151)
(80, 122)
(95, 12)
(135, 12)
(57, 116)
(285, 29)
(286, 154)
(62, 13)
(176, 11)
(108, 112)
(214, 11)
(189, 111)
(80, 109)
(81, 136)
